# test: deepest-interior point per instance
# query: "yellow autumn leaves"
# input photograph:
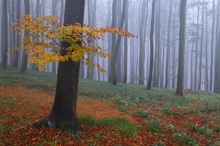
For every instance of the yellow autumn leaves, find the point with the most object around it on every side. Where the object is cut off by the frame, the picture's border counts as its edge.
(44, 37)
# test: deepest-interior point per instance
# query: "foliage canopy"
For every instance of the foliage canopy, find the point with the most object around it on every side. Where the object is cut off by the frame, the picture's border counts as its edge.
(43, 44)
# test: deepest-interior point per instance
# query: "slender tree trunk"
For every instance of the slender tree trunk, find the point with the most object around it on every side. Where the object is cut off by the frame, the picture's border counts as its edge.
(167, 78)
(149, 84)
(201, 50)
(92, 23)
(212, 48)
(206, 81)
(17, 38)
(126, 50)
(156, 72)
(4, 34)
(217, 54)
(54, 13)
(116, 43)
(181, 48)
(142, 42)
(25, 56)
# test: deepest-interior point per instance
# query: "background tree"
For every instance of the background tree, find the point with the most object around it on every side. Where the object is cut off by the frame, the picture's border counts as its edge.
(217, 54)
(4, 33)
(181, 47)
(149, 84)
(24, 62)
(142, 38)
(116, 40)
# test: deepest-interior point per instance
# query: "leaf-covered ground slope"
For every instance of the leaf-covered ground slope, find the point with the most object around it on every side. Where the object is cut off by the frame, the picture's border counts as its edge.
(109, 115)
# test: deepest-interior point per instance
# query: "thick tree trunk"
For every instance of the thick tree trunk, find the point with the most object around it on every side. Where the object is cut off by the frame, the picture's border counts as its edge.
(63, 114)
(181, 48)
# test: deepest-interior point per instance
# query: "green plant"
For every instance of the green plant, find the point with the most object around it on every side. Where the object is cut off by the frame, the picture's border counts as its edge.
(217, 143)
(203, 130)
(216, 128)
(183, 139)
(155, 127)
(170, 128)
(166, 111)
(102, 136)
(86, 119)
(122, 125)
(53, 143)
(122, 109)
(143, 113)
(160, 143)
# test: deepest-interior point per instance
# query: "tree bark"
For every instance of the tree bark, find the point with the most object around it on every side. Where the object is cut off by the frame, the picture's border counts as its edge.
(116, 43)
(25, 56)
(4, 34)
(142, 34)
(63, 114)
(167, 78)
(149, 84)
(181, 48)
(157, 36)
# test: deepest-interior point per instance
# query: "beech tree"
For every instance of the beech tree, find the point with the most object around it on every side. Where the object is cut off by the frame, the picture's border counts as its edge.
(4, 33)
(75, 38)
(181, 47)
(63, 114)
(149, 83)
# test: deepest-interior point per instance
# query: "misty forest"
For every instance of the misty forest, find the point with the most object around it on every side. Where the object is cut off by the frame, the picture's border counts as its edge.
(110, 72)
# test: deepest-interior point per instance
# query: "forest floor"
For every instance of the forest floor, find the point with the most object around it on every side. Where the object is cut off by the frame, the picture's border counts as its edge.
(112, 121)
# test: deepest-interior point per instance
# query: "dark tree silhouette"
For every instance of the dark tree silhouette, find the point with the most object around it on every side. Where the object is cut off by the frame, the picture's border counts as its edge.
(149, 84)
(63, 114)
(181, 48)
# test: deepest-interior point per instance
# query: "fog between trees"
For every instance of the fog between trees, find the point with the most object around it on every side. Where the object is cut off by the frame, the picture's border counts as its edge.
(132, 55)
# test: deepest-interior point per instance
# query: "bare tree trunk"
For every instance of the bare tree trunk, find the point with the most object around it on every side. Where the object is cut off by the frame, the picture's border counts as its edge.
(142, 34)
(149, 84)
(116, 43)
(156, 72)
(212, 48)
(217, 54)
(126, 50)
(181, 48)
(4, 34)
(197, 49)
(167, 78)
(25, 56)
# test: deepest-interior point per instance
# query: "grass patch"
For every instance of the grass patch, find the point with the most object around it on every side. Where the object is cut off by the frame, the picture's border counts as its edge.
(166, 111)
(155, 126)
(33, 79)
(142, 113)
(183, 139)
(203, 130)
(121, 125)
(123, 109)
(216, 128)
